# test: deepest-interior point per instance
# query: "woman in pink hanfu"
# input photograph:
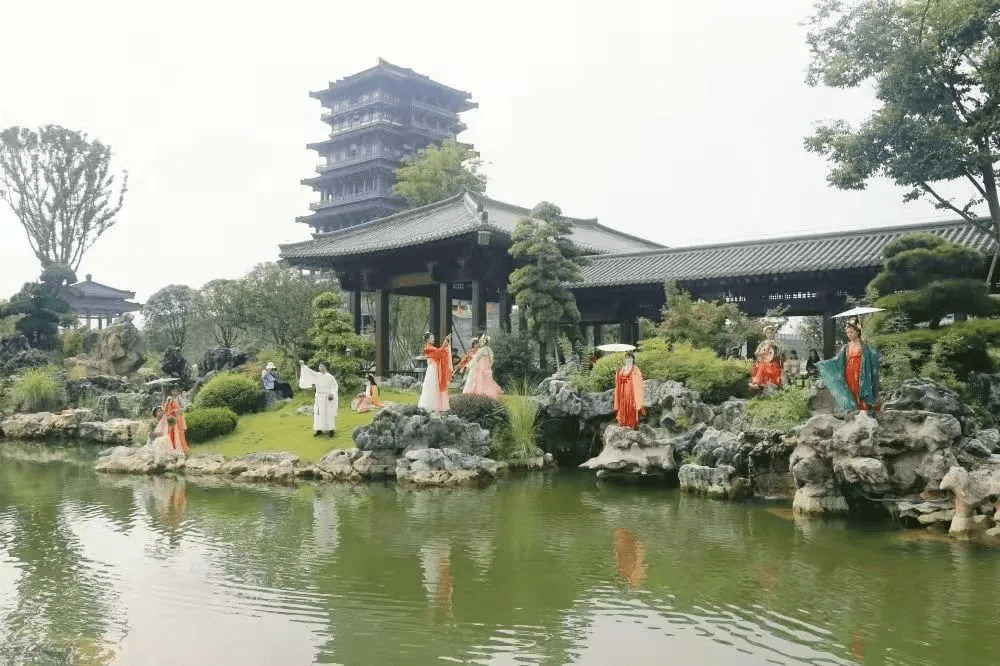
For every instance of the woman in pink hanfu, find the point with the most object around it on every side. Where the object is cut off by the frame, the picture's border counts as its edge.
(481, 369)
(434, 396)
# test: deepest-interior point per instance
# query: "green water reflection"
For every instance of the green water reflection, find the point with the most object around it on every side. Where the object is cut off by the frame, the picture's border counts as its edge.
(551, 569)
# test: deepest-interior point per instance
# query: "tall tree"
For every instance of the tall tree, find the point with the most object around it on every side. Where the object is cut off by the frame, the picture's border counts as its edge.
(540, 286)
(169, 313)
(61, 188)
(935, 69)
(220, 302)
(438, 172)
(278, 305)
(713, 325)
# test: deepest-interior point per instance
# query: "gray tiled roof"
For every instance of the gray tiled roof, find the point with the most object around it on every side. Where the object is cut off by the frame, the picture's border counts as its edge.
(851, 249)
(450, 218)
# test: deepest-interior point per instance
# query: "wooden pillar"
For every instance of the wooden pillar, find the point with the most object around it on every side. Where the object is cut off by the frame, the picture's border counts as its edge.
(356, 309)
(444, 311)
(628, 325)
(504, 306)
(88, 320)
(382, 333)
(478, 307)
(829, 335)
(597, 336)
(100, 323)
(433, 320)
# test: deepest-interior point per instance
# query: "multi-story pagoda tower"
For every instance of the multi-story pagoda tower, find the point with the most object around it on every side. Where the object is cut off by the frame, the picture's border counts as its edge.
(376, 117)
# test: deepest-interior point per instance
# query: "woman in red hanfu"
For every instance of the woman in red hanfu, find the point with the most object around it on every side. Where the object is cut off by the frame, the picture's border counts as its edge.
(174, 417)
(463, 365)
(767, 369)
(628, 393)
(434, 396)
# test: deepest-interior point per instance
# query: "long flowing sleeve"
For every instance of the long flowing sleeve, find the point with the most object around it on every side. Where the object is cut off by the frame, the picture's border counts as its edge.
(832, 373)
(307, 378)
(442, 357)
(637, 388)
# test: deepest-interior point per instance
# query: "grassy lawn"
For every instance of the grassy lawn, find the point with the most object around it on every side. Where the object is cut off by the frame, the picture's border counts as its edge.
(281, 429)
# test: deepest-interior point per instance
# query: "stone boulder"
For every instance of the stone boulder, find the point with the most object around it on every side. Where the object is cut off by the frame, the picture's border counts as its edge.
(644, 452)
(445, 467)
(111, 351)
(720, 482)
(730, 415)
(401, 382)
(137, 460)
(405, 427)
(273, 467)
(115, 431)
(173, 364)
(223, 358)
(986, 389)
(26, 359)
(924, 395)
(44, 425)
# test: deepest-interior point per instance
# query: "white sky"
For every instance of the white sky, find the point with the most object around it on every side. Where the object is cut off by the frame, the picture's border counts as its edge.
(675, 120)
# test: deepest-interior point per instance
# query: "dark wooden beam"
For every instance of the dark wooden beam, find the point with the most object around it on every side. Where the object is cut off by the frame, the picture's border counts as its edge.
(382, 333)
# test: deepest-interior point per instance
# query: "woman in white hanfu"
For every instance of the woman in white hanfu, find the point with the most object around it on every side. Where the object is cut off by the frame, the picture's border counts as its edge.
(434, 396)
(326, 401)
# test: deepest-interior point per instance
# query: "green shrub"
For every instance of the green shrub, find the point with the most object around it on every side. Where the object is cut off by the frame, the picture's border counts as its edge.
(700, 369)
(37, 390)
(237, 392)
(781, 411)
(346, 369)
(72, 342)
(959, 352)
(488, 412)
(208, 422)
(514, 358)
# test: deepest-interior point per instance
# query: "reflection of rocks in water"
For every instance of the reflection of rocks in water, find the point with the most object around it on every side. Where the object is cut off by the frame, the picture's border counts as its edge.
(768, 575)
(630, 555)
(435, 558)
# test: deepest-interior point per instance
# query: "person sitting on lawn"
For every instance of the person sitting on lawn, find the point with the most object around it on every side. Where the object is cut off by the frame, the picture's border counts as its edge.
(369, 398)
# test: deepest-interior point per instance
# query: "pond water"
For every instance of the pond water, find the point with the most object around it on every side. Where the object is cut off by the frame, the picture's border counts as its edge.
(546, 569)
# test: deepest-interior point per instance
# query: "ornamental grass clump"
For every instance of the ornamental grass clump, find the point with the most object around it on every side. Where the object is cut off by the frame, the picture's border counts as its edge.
(209, 422)
(523, 424)
(237, 392)
(37, 390)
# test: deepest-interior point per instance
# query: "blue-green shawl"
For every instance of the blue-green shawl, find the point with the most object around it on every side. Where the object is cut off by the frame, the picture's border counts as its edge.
(833, 371)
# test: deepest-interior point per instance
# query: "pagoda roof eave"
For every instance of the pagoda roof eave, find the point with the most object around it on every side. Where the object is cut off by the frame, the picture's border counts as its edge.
(386, 69)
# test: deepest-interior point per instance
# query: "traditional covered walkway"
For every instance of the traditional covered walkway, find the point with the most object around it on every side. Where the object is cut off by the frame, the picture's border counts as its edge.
(810, 275)
(456, 248)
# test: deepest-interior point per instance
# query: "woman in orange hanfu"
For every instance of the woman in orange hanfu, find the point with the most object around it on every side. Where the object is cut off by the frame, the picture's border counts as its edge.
(628, 393)
(174, 418)
(434, 396)
(767, 369)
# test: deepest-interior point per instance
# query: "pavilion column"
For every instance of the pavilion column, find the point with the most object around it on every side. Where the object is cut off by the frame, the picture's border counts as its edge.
(382, 333)
(478, 308)
(504, 306)
(88, 320)
(433, 320)
(829, 335)
(444, 310)
(100, 323)
(356, 309)
(597, 336)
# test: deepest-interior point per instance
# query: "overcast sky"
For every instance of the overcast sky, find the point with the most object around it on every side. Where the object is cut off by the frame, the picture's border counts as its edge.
(675, 120)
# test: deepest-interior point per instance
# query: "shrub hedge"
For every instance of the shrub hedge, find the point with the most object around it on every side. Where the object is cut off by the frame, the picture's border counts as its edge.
(782, 411)
(488, 412)
(715, 378)
(208, 422)
(237, 392)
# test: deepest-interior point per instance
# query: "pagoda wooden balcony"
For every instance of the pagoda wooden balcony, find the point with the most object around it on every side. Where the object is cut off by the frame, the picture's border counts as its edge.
(347, 198)
(323, 167)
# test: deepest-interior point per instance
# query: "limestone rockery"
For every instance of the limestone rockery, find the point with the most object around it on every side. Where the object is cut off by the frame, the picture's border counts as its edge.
(921, 461)
(402, 442)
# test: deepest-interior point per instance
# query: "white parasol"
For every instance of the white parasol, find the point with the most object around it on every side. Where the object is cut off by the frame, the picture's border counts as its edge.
(616, 347)
(857, 311)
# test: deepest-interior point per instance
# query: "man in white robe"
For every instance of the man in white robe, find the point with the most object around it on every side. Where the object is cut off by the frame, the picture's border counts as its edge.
(326, 402)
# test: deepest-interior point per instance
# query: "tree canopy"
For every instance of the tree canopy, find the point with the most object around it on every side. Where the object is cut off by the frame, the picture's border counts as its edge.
(926, 277)
(221, 303)
(278, 303)
(169, 312)
(61, 188)
(438, 172)
(935, 69)
(712, 325)
(540, 286)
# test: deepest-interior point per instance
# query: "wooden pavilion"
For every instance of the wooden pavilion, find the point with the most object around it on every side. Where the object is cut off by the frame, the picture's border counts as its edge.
(456, 248)
(89, 299)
